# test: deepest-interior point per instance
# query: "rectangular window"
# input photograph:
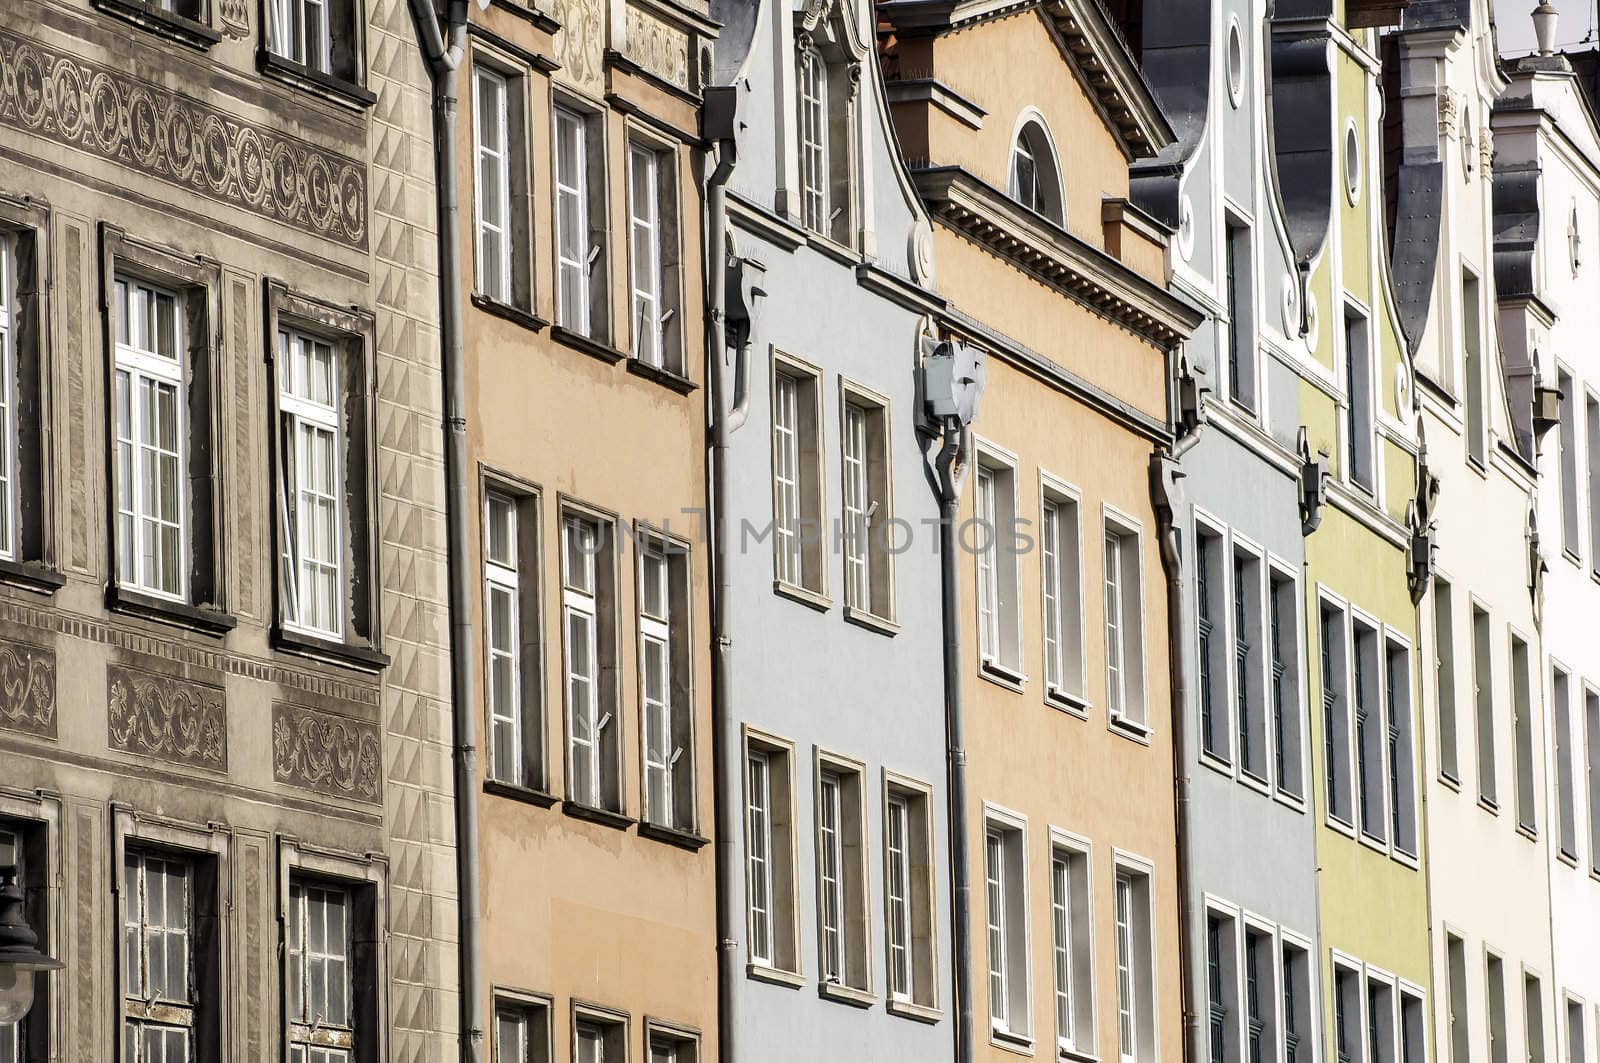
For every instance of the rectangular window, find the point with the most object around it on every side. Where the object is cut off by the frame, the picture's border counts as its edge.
(1135, 966)
(1413, 1032)
(654, 254)
(1241, 341)
(1297, 1005)
(157, 957)
(1566, 805)
(1460, 1031)
(299, 32)
(1533, 1017)
(599, 1037)
(798, 559)
(1591, 763)
(1005, 872)
(1346, 1014)
(1061, 558)
(909, 895)
(1444, 661)
(1212, 616)
(150, 405)
(1522, 722)
(588, 599)
(491, 142)
(1577, 1049)
(1260, 990)
(8, 408)
(665, 662)
(1358, 391)
(868, 583)
(1071, 935)
(1380, 1022)
(667, 1046)
(814, 121)
(511, 639)
(844, 953)
(1591, 407)
(321, 1022)
(999, 588)
(580, 223)
(1336, 715)
(1222, 1039)
(311, 453)
(1495, 1001)
(1400, 748)
(1483, 700)
(1472, 366)
(1283, 603)
(521, 1031)
(1249, 700)
(1124, 607)
(769, 855)
(1570, 503)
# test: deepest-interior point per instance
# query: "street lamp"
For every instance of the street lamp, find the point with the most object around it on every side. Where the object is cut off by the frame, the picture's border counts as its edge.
(19, 951)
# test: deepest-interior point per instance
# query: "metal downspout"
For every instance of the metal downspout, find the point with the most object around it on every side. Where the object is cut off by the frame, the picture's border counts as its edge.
(724, 422)
(957, 446)
(444, 61)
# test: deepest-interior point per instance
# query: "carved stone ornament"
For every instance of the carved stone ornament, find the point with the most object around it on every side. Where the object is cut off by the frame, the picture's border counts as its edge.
(325, 753)
(166, 717)
(580, 44)
(174, 138)
(1449, 108)
(28, 688)
(658, 48)
(235, 17)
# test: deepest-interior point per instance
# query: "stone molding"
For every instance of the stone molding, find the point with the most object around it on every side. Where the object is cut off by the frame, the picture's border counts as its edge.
(27, 688)
(163, 716)
(326, 753)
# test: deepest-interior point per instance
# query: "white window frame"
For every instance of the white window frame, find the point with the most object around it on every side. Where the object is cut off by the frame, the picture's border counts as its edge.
(815, 172)
(1135, 966)
(646, 236)
(573, 198)
(580, 598)
(833, 927)
(1291, 685)
(1127, 689)
(492, 152)
(147, 1014)
(1212, 656)
(1008, 941)
(139, 367)
(1061, 582)
(899, 897)
(759, 856)
(858, 505)
(656, 708)
(302, 414)
(998, 565)
(1074, 996)
(503, 577)
(310, 1038)
(786, 458)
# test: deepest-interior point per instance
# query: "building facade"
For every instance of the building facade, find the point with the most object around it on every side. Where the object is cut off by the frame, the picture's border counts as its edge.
(832, 713)
(227, 782)
(1358, 409)
(579, 168)
(1050, 269)
(1547, 162)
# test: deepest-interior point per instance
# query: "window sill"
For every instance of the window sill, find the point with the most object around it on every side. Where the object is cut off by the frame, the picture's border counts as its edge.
(1570, 859)
(166, 24)
(683, 839)
(1405, 859)
(32, 576)
(196, 618)
(1255, 782)
(345, 654)
(827, 245)
(515, 314)
(1217, 764)
(525, 794)
(915, 1012)
(1489, 805)
(1289, 800)
(1132, 730)
(1378, 845)
(329, 86)
(1339, 826)
(820, 602)
(871, 621)
(585, 345)
(1071, 704)
(1450, 781)
(1011, 1042)
(763, 973)
(1530, 833)
(844, 994)
(1072, 1055)
(1000, 675)
(665, 377)
(603, 816)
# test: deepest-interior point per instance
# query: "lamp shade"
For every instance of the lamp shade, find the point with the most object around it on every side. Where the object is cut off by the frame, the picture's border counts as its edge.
(20, 957)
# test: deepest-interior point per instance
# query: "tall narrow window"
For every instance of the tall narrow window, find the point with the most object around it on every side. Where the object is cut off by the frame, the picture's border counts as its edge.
(1570, 502)
(1212, 622)
(1472, 366)
(587, 598)
(1401, 754)
(664, 664)
(798, 558)
(1444, 662)
(503, 603)
(1124, 641)
(1336, 716)
(580, 203)
(842, 876)
(909, 895)
(1346, 1014)
(653, 250)
(1035, 180)
(897, 896)
(1522, 724)
(1460, 1031)
(149, 408)
(1370, 733)
(1413, 1036)
(1134, 965)
(1220, 980)
(312, 451)
(1483, 699)
(1247, 674)
(321, 1024)
(1358, 392)
(1297, 1003)
(1533, 1017)
(8, 435)
(1380, 1022)
(1591, 763)
(758, 851)
(1061, 574)
(830, 875)
(1577, 1050)
(1495, 1001)
(158, 958)
(1284, 635)
(769, 862)
(999, 593)
(1061, 947)
(1071, 930)
(1005, 870)
(1259, 971)
(814, 166)
(493, 200)
(867, 557)
(1241, 343)
(1591, 408)
(1566, 811)
(994, 877)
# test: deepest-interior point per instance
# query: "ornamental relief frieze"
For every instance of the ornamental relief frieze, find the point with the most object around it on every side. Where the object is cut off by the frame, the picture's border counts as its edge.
(580, 44)
(27, 688)
(326, 753)
(166, 717)
(658, 48)
(179, 140)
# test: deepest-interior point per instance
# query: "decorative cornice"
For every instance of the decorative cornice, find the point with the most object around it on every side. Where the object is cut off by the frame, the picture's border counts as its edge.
(1077, 269)
(177, 139)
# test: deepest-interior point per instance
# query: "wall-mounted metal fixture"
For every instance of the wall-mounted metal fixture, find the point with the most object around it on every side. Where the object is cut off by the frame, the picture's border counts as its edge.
(1313, 483)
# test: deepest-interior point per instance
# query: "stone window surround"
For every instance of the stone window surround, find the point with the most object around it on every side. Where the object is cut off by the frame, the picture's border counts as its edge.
(679, 553)
(520, 96)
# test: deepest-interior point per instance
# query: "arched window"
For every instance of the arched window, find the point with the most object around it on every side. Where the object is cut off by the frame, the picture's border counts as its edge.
(1035, 179)
(814, 176)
